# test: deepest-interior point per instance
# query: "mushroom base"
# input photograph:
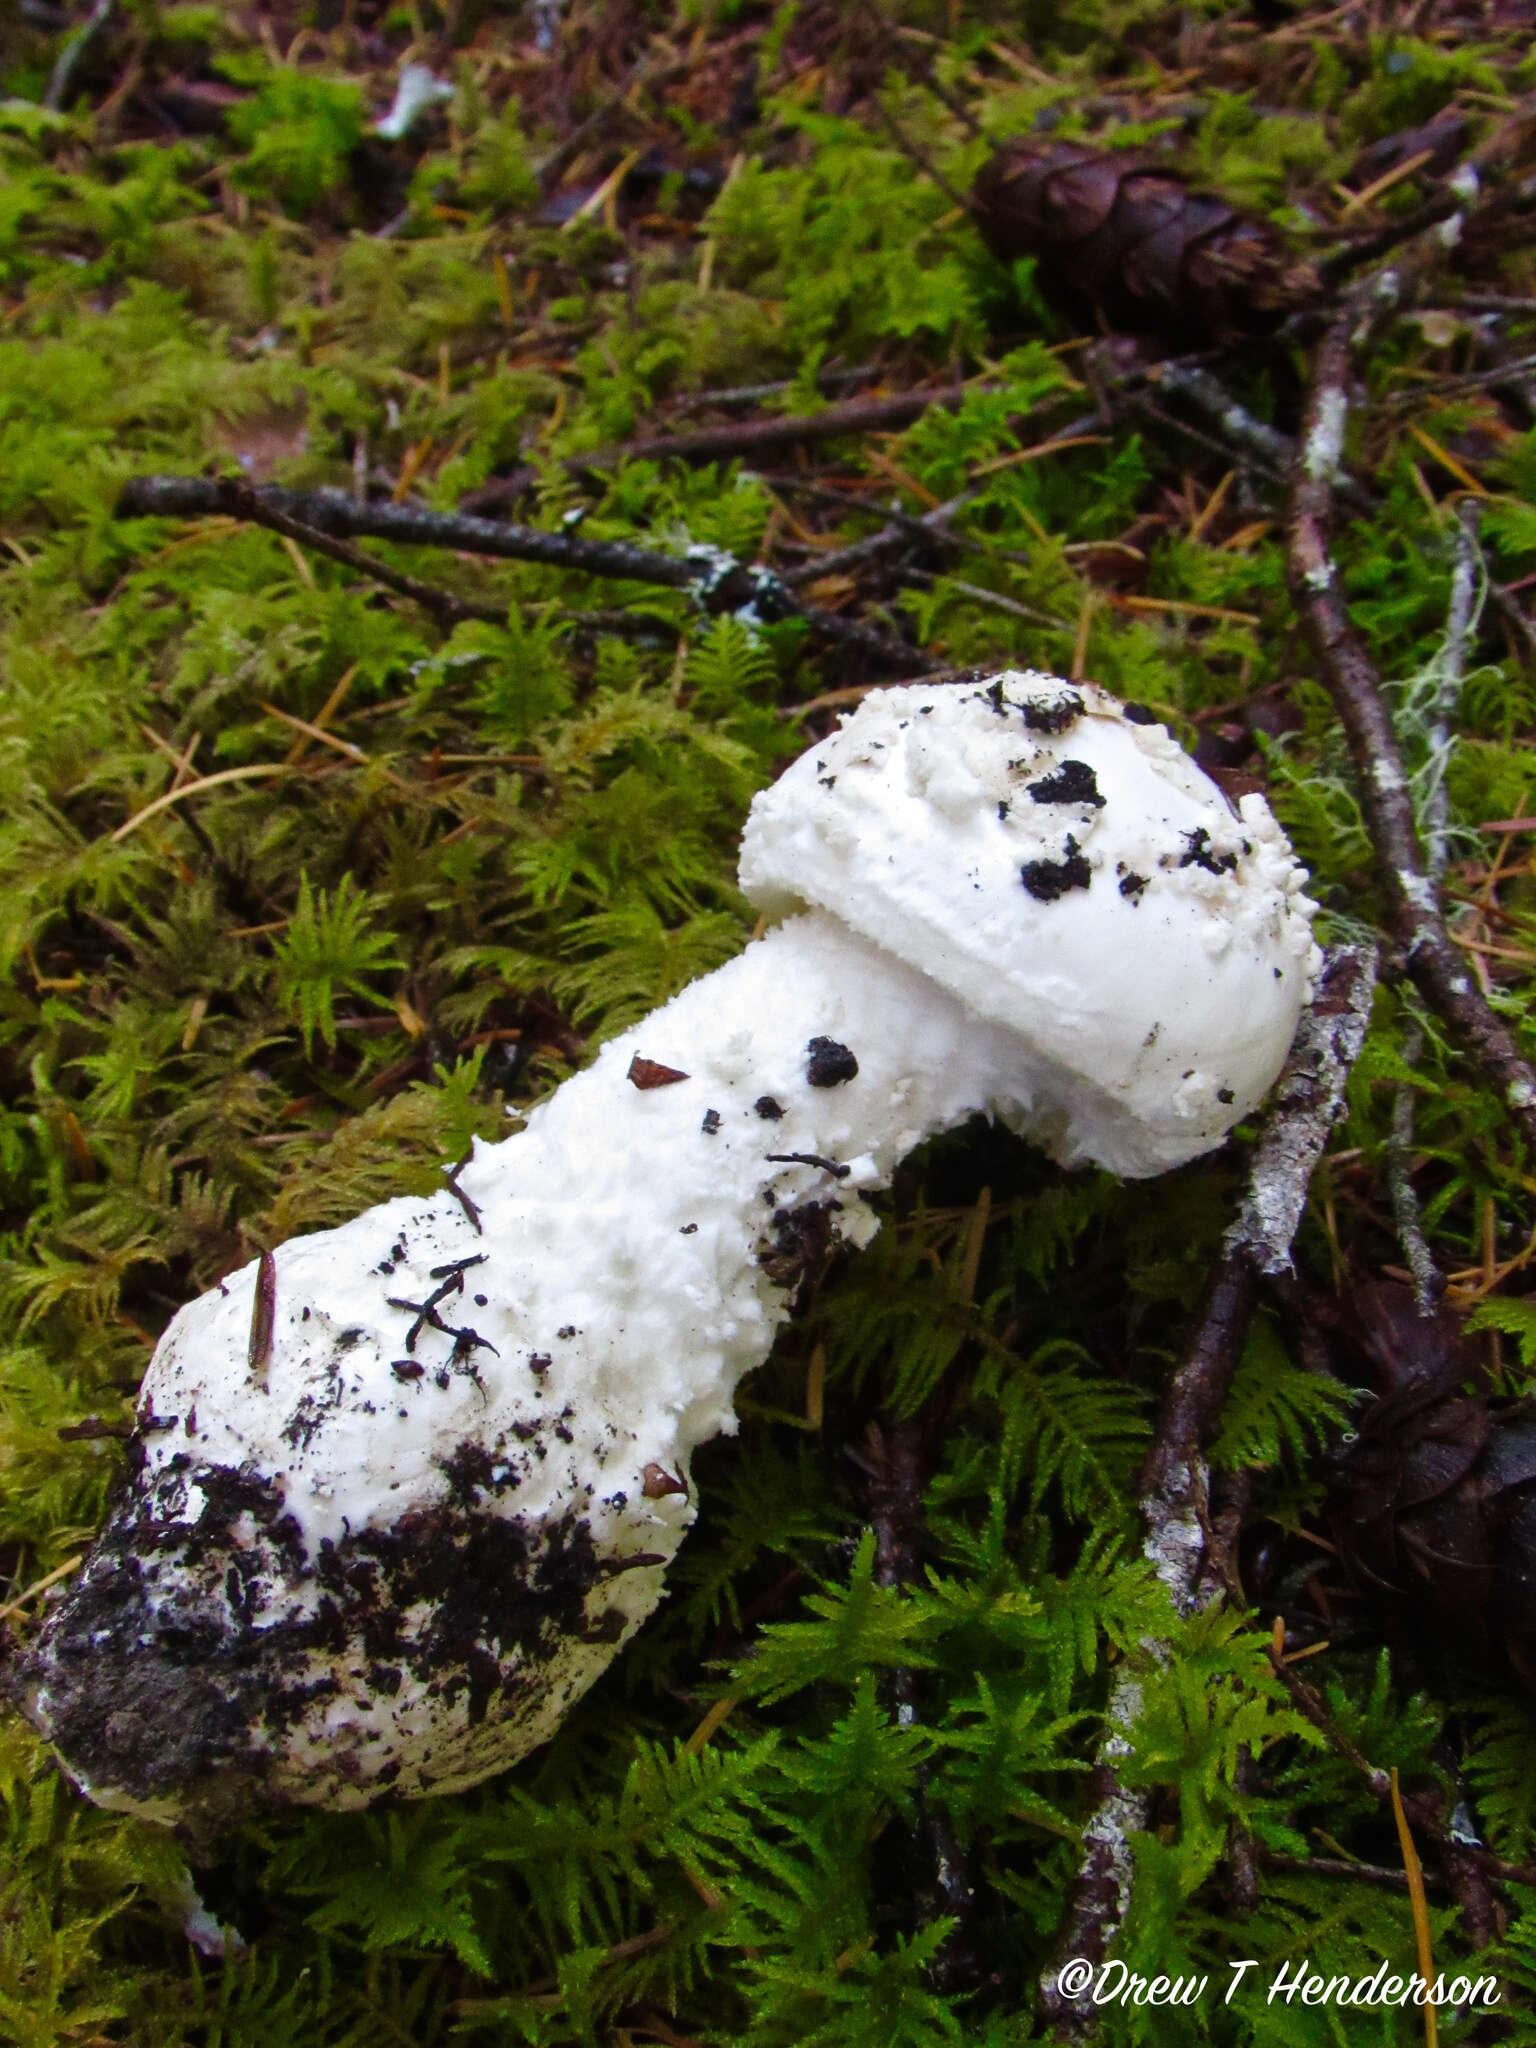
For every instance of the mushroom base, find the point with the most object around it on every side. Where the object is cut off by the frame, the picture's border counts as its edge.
(470, 1625)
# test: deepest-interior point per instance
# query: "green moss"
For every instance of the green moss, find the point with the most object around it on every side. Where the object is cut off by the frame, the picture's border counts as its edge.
(286, 994)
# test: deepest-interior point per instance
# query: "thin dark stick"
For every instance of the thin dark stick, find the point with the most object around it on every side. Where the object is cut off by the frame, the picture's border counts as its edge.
(896, 1468)
(754, 394)
(853, 502)
(1374, 242)
(1120, 395)
(956, 106)
(1461, 198)
(554, 167)
(742, 438)
(336, 512)
(499, 492)
(1208, 395)
(1468, 1870)
(899, 531)
(1174, 1511)
(1337, 1866)
(1506, 1873)
(68, 60)
(244, 502)
(979, 594)
(1148, 409)
(917, 154)
(892, 127)
(901, 528)
(636, 625)
(745, 438)
(1261, 447)
(1509, 372)
(783, 430)
(716, 580)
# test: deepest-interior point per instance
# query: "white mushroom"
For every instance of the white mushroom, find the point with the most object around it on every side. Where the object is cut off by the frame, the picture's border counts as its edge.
(402, 1491)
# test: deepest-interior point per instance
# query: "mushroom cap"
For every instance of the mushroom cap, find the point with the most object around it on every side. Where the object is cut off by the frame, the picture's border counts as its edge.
(1054, 859)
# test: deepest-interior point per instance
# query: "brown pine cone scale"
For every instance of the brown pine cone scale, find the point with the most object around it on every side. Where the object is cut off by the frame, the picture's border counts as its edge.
(1433, 1506)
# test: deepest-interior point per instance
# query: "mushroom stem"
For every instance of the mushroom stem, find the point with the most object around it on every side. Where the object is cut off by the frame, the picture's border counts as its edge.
(680, 1217)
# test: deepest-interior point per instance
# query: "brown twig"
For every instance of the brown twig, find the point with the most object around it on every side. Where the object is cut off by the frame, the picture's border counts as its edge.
(1508, 372)
(1174, 1510)
(747, 438)
(915, 153)
(754, 394)
(932, 526)
(647, 70)
(1339, 1866)
(895, 1464)
(931, 532)
(1414, 917)
(1373, 242)
(783, 430)
(1506, 1873)
(1461, 197)
(740, 439)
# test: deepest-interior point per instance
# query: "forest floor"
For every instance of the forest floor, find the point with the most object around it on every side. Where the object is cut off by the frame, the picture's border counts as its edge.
(1187, 349)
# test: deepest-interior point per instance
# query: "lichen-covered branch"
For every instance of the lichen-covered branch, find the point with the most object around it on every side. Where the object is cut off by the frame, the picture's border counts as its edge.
(1450, 671)
(1206, 394)
(1414, 918)
(1257, 1246)
(716, 580)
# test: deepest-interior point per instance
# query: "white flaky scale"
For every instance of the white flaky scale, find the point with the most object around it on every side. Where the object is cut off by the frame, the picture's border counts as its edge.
(400, 1492)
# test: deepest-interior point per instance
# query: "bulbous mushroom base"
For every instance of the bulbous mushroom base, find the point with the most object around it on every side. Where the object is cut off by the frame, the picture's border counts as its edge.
(422, 1656)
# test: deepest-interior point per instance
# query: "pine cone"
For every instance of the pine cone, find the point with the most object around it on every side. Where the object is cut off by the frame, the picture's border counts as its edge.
(1434, 1506)
(1136, 248)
